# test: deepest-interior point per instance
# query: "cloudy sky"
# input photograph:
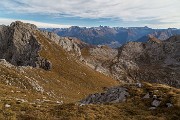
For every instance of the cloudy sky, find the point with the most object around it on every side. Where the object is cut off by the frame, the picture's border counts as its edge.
(65, 13)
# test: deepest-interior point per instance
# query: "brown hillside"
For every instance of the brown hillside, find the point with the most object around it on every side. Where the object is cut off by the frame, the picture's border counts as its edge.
(67, 81)
(74, 75)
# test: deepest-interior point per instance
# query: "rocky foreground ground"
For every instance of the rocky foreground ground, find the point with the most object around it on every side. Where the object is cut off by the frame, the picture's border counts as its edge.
(125, 102)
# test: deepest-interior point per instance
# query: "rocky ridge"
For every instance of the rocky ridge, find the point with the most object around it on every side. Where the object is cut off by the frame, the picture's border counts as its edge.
(20, 47)
(96, 56)
(67, 43)
(153, 61)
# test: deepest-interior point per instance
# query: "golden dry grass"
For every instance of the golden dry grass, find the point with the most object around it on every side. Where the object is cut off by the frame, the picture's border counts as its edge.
(135, 108)
(68, 77)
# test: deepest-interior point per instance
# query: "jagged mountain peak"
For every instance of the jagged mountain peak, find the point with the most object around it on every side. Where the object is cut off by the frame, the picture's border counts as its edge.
(148, 61)
(19, 24)
(20, 47)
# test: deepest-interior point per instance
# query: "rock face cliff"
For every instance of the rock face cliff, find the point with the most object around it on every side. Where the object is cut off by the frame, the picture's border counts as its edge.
(20, 47)
(153, 61)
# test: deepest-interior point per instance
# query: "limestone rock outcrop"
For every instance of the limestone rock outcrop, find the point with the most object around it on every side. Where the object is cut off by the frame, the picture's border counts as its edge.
(112, 95)
(153, 61)
(19, 45)
(98, 57)
(66, 43)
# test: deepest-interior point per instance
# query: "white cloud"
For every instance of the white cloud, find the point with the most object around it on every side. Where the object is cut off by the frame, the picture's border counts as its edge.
(162, 11)
(7, 21)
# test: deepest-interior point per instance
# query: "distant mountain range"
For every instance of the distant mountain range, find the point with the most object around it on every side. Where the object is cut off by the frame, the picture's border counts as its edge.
(113, 36)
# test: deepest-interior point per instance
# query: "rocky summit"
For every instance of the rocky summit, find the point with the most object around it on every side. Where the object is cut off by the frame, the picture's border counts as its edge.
(153, 61)
(19, 45)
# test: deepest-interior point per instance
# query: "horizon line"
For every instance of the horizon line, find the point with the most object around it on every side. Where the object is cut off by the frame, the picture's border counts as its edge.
(45, 25)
